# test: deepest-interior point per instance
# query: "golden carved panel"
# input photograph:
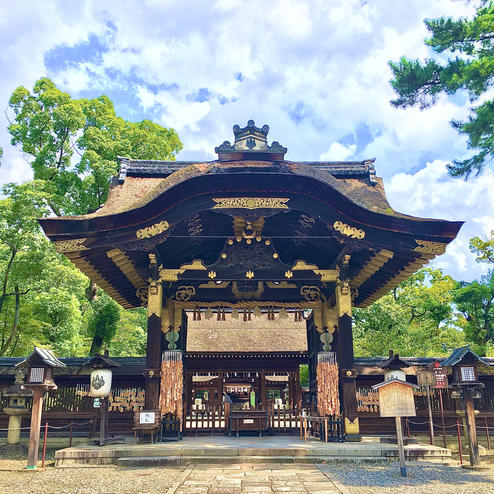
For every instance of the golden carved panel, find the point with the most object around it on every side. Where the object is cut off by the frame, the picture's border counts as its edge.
(347, 230)
(73, 245)
(430, 247)
(251, 203)
(153, 230)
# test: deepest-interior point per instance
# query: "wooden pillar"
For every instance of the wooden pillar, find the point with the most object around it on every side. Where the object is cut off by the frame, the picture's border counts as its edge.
(188, 390)
(220, 387)
(345, 354)
(291, 390)
(298, 390)
(473, 445)
(153, 349)
(32, 454)
(263, 391)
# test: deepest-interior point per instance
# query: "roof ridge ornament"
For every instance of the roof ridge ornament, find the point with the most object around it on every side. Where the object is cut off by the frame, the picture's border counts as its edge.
(250, 143)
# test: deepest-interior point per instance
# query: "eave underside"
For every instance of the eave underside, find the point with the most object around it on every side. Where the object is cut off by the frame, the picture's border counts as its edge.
(209, 238)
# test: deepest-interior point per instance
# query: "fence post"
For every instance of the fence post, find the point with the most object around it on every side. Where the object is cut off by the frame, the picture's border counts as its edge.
(70, 436)
(44, 446)
(408, 427)
(459, 441)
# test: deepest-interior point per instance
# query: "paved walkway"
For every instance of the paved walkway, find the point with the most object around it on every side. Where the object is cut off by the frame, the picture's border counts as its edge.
(249, 478)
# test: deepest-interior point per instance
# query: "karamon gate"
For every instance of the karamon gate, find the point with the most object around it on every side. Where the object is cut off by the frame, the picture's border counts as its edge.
(246, 235)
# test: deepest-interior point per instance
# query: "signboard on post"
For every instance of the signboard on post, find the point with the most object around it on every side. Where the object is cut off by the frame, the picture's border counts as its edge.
(396, 399)
(441, 378)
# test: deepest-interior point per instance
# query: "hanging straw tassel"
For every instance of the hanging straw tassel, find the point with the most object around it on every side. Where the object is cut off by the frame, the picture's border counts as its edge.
(223, 315)
(218, 316)
(245, 314)
(249, 315)
(328, 396)
(172, 383)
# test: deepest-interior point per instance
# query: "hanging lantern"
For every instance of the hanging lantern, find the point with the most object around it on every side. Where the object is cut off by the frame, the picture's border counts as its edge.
(100, 382)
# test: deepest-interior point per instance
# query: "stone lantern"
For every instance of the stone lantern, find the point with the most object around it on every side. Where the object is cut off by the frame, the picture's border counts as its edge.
(40, 365)
(464, 365)
(16, 408)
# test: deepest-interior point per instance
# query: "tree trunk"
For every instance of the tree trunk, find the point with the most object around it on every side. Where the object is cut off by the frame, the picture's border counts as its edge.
(96, 345)
(15, 324)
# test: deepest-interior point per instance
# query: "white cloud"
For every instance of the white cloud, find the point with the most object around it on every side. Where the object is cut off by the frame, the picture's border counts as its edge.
(314, 71)
(338, 152)
(431, 193)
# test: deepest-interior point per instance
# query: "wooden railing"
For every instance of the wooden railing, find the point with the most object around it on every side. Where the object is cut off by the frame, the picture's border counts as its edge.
(214, 419)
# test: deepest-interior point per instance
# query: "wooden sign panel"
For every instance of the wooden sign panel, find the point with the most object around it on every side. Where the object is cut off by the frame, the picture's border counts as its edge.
(396, 400)
(426, 378)
(441, 378)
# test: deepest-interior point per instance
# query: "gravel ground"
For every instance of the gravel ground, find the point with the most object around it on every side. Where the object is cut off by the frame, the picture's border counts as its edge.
(422, 478)
(101, 480)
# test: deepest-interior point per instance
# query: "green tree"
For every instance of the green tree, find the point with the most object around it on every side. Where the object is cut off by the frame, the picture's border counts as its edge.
(483, 247)
(416, 318)
(102, 324)
(475, 301)
(464, 61)
(74, 144)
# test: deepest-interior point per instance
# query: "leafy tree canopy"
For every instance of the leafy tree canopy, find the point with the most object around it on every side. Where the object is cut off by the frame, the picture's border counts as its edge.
(483, 247)
(475, 301)
(74, 144)
(464, 61)
(416, 318)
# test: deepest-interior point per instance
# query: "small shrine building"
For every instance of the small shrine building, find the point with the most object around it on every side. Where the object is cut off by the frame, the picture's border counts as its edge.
(248, 235)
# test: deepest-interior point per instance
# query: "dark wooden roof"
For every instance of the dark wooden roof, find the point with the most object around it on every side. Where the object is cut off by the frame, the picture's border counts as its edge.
(216, 223)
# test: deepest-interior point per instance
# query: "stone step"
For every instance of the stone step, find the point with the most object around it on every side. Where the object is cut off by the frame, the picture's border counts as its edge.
(156, 461)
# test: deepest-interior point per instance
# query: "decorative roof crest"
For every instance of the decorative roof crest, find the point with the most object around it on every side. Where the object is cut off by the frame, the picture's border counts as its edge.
(249, 142)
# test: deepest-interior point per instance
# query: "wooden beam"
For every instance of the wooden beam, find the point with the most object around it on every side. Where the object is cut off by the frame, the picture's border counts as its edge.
(374, 264)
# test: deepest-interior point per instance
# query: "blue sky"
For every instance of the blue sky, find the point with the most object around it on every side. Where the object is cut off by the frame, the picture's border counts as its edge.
(316, 72)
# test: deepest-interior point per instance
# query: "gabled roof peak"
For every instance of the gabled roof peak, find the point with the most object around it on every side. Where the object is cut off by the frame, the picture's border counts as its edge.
(250, 143)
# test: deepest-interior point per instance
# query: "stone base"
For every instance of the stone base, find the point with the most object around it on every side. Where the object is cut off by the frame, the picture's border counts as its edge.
(280, 449)
(353, 438)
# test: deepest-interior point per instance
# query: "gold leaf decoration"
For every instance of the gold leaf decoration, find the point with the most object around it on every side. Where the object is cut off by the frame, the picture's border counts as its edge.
(347, 230)
(430, 247)
(73, 245)
(153, 230)
(251, 203)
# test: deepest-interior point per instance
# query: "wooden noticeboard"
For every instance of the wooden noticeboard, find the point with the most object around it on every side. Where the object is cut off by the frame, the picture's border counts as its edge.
(441, 378)
(396, 400)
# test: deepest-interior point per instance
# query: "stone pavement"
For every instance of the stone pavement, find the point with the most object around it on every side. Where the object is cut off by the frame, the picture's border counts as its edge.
(254, 478)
